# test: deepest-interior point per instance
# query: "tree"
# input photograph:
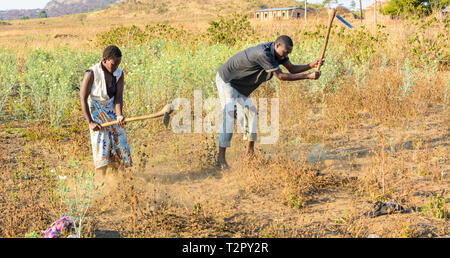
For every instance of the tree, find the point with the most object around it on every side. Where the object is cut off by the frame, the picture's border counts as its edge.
(325, 2)
(413, 7)
(353, 5)
(42, 14)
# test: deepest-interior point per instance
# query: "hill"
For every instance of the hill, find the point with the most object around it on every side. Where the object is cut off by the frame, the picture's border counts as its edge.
(64, 7)
(56, 8)
(16, 14)
(203, 9)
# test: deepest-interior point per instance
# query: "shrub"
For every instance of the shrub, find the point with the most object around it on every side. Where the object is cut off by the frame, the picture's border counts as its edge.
(230, 30)
(436, 207)
(133, 35)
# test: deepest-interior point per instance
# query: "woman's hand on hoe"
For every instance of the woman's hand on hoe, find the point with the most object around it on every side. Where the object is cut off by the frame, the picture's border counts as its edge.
(94, 126)
(121, 120)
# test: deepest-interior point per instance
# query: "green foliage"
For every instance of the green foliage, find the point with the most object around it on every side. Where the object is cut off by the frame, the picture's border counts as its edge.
(436, 207)
(49, 87)
(409, 77)
(295, 201)
(42, 14)
(160, 66)
(24, 17)
(342, 57)
(121, 36)
(427, 47)
(162, 71)
(78, 198)
(230, 30)
(32, 235)
(406, 8)
(367, 43)
(133, 35)
(8, 79)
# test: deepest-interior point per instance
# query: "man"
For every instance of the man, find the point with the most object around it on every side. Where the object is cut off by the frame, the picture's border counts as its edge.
(241, 75)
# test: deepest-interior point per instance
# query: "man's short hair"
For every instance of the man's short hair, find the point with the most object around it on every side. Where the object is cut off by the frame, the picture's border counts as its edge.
(285, 40)
(112, 52)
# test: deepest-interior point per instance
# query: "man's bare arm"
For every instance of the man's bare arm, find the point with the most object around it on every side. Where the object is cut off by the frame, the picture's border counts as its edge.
(301, 68)
(296, 68)
(296, 76)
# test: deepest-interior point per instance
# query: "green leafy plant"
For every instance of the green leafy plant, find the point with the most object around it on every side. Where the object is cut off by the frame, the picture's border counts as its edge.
(79, 197)
(436, 207)
(133, 35)
(426, 47)
(230, 30)
(405, 8)
(368, 43)
(32, 235)
(8, 78)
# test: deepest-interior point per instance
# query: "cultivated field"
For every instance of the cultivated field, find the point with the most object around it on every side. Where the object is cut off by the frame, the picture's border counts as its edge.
(374, 127)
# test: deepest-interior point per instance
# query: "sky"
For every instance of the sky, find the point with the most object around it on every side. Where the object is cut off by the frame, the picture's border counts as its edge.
(22, 4)
(346, 3)
(33, 4)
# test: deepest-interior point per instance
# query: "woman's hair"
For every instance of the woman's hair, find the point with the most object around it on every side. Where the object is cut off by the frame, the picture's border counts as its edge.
(112, 52)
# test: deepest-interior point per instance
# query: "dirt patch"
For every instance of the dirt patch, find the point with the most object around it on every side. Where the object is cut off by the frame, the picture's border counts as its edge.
(174, 191)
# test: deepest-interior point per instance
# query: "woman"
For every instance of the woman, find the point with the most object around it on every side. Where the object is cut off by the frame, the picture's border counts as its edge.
(101, 98)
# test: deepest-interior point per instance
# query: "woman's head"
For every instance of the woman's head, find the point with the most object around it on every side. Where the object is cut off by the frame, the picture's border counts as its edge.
(112, 56)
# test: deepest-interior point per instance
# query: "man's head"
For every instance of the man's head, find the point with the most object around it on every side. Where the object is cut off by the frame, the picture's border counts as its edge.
(283, 46)
(112, 56)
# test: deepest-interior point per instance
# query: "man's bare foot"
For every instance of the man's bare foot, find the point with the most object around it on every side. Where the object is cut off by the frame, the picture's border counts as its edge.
(250, 149)
(222, 164)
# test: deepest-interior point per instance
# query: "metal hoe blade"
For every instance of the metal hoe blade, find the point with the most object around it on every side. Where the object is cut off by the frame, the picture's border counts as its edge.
(344, 21)
(166, 119)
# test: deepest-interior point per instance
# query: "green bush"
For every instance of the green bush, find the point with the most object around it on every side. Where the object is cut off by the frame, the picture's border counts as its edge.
(407, 8)
(231, 30)
(8, 77)
(134, 36)
(436, 207)
(155, 73)
(48, 89)
(426, 47)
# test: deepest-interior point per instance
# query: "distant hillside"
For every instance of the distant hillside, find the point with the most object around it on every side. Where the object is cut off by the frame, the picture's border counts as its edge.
(64, 7)
(181, 10)
(16, 14)
(59, 8)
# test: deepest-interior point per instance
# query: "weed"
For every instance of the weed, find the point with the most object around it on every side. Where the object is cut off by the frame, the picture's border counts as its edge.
(78, 198)
(436, 207)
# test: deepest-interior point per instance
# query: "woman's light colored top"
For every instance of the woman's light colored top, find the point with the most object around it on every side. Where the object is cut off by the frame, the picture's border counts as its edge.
(99, 91)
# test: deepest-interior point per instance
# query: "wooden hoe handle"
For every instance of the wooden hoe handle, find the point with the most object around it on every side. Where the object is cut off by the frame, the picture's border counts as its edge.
(167, 109)
(331, 14)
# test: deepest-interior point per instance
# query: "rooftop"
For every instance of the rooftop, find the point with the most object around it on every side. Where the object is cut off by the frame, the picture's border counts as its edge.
(277, 9)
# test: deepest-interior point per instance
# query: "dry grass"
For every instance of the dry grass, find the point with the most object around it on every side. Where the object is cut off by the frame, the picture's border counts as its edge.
(380, 144)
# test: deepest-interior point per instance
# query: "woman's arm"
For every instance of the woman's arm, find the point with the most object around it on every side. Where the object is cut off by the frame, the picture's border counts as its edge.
(85, 90)
(118, 100)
